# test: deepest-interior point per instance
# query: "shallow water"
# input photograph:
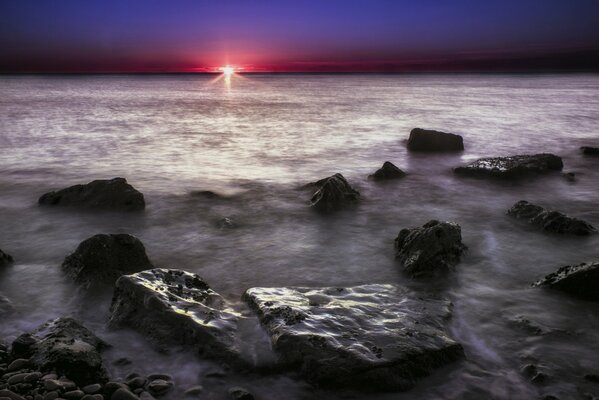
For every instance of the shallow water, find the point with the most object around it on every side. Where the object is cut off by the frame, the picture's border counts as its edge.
(257, 143)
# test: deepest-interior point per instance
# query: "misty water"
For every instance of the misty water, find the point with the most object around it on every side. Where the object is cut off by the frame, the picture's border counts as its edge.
(257, 142)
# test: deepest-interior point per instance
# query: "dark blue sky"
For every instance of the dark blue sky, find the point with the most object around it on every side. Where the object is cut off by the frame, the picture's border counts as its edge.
(180, 35)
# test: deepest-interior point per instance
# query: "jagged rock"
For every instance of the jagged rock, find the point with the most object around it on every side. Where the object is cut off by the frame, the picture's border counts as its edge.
(239, 393)
(5, 259)
(176, 307)
(434, 247)
(372, 337)
(67, 347)
(102, 259)
(552, 221)
(512, 167)
(6, 307)
(387, 171)
(590, 151)
(431, 140)
(580, 281)
(333, 193)
(109, 194)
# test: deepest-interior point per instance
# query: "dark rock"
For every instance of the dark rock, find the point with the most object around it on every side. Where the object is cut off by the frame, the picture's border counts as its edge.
(136, 382)
(552, 221)
(73, 394)
(436, 246)
(580, 281)
(67, 347)
(333, 193)
(207, 194)
(194, 391)
(123, 394)
(387, 171)
(22, 347)
(92, 389)
(110, 194)
(512, 167)
(371, 337)
(430, 140)
(569, 176)
(8, 394)
(592, 378)
(590, 151)
(102, 259)
(5, 259)
(239, 393)
(18, 364)
(226, 223)
(158, 387)
(176, 307)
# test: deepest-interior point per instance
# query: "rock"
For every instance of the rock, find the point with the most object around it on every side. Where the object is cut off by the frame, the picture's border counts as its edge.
(136, 382)
(102, 259)
(434, 247)
(123, 394)
(194, 391)
(333, 193)
(569, 176)
(109, 194)
(580, 281)
(551, 221)
(430, 140)
(92, 389)
(512, 167)
(6, 307)
(92, 397)
(590, 151)
(387, 171)
(73, 394)
(239, 393)
(22, 346)
(226, 223)
(5, 393)
(5, 259)
(67, 347)
(371, 337)
(176, 307)
(207, 194)
(592, 378)
(18, 364)
(158, 387)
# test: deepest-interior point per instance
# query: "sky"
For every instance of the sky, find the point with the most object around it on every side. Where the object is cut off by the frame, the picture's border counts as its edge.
(297, 36)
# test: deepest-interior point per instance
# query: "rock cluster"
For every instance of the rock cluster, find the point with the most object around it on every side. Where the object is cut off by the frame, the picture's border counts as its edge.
(580, 281)
(552, 221)
(333, 193)
(434, 141)
(387, 171)
(512, 167)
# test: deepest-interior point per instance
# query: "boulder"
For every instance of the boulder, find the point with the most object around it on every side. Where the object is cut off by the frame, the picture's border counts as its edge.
(333, 193)
(5, 259)
(590, 151)
(580, 281)
(65, 346)
(433, 141)
(426, 250)
(387, 171)
(102, 259)
(551, 221)
(173, 307)
(109, 194)
(373, 337)
(512, 167)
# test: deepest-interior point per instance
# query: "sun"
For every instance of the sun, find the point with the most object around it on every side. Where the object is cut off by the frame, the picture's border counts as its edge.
(228, 71)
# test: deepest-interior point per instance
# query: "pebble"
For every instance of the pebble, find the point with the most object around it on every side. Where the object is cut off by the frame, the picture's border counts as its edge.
(194, 391)
(92, 389)
(11, 395)
(33, 377)
(136, 382)
(52, 384)
(93, 397)
(18, 364)
(159, 386)
(146, 396)
(51, 395)
(73, 394)
(123, 394)
(18, 378)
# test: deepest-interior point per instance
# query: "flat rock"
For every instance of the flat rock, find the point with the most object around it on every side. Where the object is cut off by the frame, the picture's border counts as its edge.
(176, 307)
(387, 171)
(551, 221)
(333, 193)
(67, 347)
(372, 337)
(434, 141)
(590, 151)
(108, 194)
(580, 280)
(5, 259)
(426, 250)
(512, 167)
(102, 259)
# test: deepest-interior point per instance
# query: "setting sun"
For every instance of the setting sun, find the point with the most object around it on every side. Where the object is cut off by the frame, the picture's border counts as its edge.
(228, 71)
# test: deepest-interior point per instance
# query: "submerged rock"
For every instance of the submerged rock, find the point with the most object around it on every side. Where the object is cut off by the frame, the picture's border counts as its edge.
(590, 151)
(513, 166)
(65, 346)
(434, 247)
(552, 221)
(176, 307)
(431, 140)
(102, 259)
(333, 193)
(110, 194)
(5, 259)
(371, 337)
(387, 171)
(580, 281)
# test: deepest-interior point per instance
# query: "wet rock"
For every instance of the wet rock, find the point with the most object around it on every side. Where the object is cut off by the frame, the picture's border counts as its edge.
(226, 223)
(333, 193)
(102, 259)
(5, 259)
(18, 364)
(6, 307)
(159, 387)
(194, 391)
(387, 171)
(371, 337)
(8, 394)
(109, 194)
(207, 194)
(176, 307)
(239, 393)
(434, 141)
(123, 394)
(92, 389)
(67, 347)
(590, 151)
(580, 281)
(512, 167)
(434, 247)
(551, 221)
